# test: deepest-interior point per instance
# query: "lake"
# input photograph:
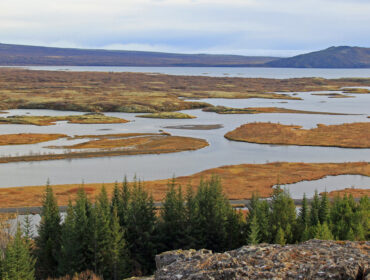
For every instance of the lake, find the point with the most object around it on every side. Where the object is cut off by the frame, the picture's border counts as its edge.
(244, 72)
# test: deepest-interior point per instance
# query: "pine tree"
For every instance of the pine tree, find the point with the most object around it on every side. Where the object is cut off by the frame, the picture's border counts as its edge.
(67, 258)
(303, 220)
(103, 234)
(48, 240)
(324, 208)
(315, 209)
(280, 237)
(253, 236)
(139, 230)
(84, 233)
(119, 258)
(322, 231)
(172, 224)
(283, 214)
(18, 263)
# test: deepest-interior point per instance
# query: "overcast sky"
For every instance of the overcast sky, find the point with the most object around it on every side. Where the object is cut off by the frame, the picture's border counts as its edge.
(249, 27)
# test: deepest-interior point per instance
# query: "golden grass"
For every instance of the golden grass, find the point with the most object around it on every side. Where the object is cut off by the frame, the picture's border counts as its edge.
(333, 95)
(119, 147)
(356, 193)
(348, 135)
(50, 120)
(239, 181)
(262, 110)
(167, 115)
(138, 92)
(27, 138)
(356, 90)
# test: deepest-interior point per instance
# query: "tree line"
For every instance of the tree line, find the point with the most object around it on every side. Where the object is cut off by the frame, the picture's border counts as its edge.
(118, 237)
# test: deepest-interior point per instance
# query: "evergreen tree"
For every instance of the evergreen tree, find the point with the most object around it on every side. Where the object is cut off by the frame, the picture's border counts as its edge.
(341, 215)
(280, 237)
(283, 214)
(102, 234)
(119, 258)
(324, 208)
(303, 221)
(48, 240)
(67, 256)
(84, 233)
(172, 224)
(322, 231)
(315, 209)
(213, 209)
(18, 264)
(193, 225)
(253, 236)
(139, 230)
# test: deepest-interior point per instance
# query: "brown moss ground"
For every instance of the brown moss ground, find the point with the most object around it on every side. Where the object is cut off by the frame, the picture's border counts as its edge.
(50, 120)
(239, 181)
(348, 135)
(120, 147)
(262, 110)
(356, 193)
(27, 138)
(333, 95)
(138, 92)
(167, 115)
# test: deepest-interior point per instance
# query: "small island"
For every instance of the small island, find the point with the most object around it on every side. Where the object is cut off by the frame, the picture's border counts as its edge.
(347, 135)
(167, 115)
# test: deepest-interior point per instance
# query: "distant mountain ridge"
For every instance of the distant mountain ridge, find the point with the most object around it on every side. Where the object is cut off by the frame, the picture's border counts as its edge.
(21, 55)
(333, 57)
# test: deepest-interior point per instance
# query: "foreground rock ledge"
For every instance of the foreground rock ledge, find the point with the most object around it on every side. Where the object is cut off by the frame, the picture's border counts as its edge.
(314, 259)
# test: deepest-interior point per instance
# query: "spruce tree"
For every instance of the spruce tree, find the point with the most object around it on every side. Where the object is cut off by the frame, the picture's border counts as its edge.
(283, 214)
(119, 257)
(139, 230)
(172, 223)
(67, 257)
(18, 263)
(84, 233)
(303, 220)
(324, 209)
(315, 209)
(103, 234)
(48, 240)
(280, 237)
(253, 235)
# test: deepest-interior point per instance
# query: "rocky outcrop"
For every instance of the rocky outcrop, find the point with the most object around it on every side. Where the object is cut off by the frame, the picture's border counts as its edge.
(314, 259)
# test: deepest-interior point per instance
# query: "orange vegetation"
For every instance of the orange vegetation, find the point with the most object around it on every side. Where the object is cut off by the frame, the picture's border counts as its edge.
(356, 193)
(27, 138)
(239, 181)
(260, 110)
(348, 135)
(50, 120)
(119, 147)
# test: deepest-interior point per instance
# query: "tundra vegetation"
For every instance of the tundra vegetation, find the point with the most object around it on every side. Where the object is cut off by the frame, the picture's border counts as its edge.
(27, 138)
(50, 120)
(347, 135)
(167, 115)
(112, 145)
(143, 93)
(262, 110)
(118, 237)
(239, 181)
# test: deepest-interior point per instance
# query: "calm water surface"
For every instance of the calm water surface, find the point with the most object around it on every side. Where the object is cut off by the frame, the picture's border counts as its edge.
(244, 72)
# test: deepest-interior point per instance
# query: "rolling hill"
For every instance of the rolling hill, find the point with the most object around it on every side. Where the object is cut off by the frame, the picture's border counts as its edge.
(13, 55)
(333, 57)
